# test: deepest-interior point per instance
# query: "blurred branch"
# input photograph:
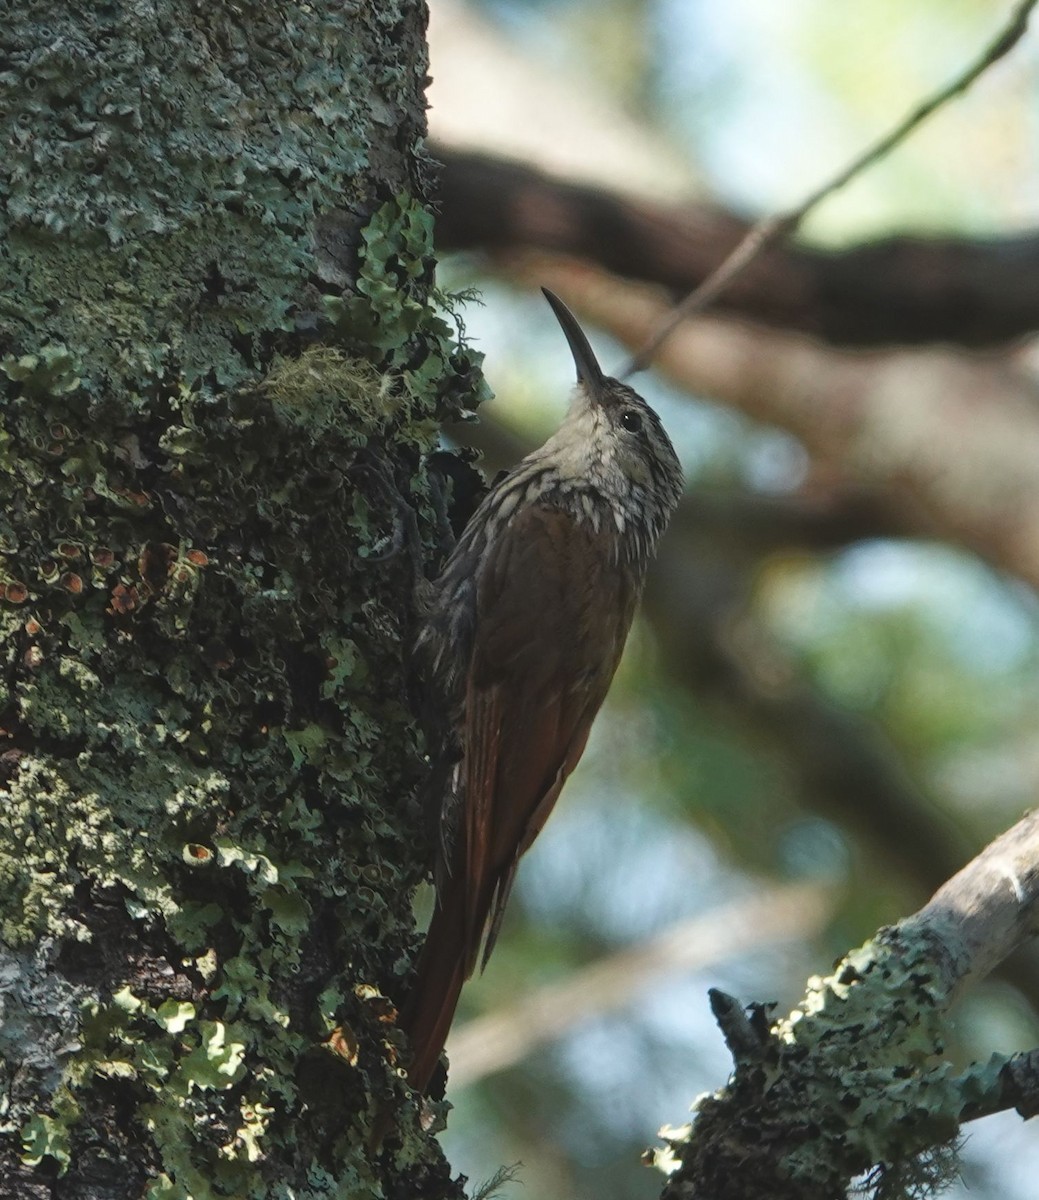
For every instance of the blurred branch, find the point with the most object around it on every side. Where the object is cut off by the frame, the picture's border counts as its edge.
(856, 1077)
(507, 1035)
(772, 229)
(901, 290)
(950, 440)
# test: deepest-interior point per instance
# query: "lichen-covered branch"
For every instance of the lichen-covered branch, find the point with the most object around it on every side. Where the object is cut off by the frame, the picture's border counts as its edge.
(1001, 1084)
(988, 908)
(855, 1078)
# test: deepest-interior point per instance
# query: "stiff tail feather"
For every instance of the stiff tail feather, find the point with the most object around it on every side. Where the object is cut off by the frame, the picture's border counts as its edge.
(443, 967)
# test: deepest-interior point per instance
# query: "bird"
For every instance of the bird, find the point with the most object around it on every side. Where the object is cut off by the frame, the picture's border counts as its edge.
(520, 639)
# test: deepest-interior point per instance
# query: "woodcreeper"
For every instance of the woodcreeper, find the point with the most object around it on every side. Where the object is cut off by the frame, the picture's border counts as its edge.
(521, 638)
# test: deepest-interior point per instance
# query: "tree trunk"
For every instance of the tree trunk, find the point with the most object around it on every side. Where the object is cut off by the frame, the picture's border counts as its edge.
(220, 368)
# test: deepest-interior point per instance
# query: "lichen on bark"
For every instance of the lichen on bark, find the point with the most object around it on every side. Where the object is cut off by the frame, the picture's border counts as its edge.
(854, 1080)
(219, 370)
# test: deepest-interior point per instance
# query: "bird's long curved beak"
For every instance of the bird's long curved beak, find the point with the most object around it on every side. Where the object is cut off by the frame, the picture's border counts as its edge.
(588, 370)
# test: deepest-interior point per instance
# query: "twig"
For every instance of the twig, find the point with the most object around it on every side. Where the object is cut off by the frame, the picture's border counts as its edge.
(769, 230)
(745, 1030)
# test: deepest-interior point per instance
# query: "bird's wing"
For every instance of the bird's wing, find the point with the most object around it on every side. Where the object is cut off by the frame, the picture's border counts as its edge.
(553, 610)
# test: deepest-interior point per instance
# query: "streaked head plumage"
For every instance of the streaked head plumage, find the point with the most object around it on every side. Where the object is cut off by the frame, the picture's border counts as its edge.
(612, 432)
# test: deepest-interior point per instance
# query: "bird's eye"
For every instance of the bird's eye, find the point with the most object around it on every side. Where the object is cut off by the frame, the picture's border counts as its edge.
(631, 420)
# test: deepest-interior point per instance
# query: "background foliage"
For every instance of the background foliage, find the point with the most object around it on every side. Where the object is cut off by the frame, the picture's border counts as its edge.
(915, 650)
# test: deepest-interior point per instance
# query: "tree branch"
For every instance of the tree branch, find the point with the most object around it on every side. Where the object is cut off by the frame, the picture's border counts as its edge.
(771, 229)
(1001, 1084)
(900, 290)
(856, 1075)
(985, 910)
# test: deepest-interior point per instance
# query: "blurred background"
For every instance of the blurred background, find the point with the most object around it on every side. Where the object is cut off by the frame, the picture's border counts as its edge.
(828, 703)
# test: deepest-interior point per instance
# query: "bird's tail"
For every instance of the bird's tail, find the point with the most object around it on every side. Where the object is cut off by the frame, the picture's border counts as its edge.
(443, 966)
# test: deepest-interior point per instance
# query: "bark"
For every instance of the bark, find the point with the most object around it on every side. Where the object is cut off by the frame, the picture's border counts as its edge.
(856, 1077)
(220, 367)
(903, 290)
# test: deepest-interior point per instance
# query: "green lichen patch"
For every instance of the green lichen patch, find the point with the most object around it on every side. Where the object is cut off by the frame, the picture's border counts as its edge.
(202, 676)
(44, 1136)
(390, 312)
(210, 495)
(853, 1078)
(51, 372)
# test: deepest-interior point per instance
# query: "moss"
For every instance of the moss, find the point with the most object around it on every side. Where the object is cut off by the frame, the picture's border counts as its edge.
(313, 390)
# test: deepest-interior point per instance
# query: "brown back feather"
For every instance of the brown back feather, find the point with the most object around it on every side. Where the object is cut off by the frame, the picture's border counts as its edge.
(553, 611)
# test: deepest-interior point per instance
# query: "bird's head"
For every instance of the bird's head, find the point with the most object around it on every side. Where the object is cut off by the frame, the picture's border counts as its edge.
(611, 433)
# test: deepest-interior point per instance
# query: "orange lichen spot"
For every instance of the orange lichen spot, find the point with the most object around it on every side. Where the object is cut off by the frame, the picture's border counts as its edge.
(72, 582)
(69, 550)
(124, 599)
(33, 627)
(101, 556)
(197, 855)
(342, 1041)
(380, 1005)
(16, 592)
(198, 557)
